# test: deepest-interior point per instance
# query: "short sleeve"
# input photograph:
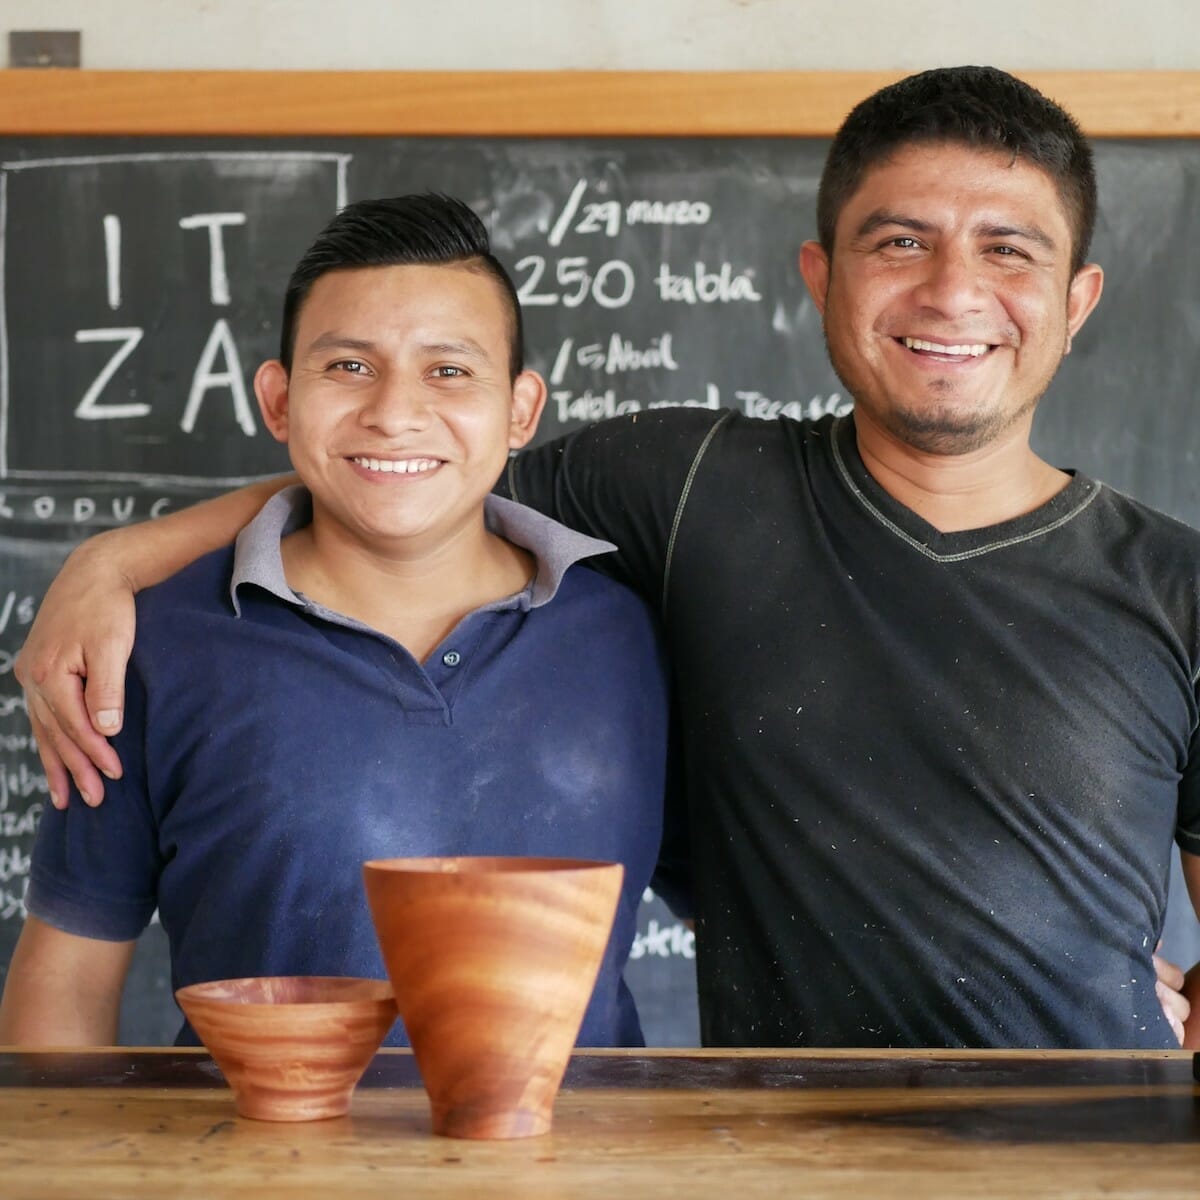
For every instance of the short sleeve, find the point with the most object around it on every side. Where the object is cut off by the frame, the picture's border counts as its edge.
(673, 872)
(94, 871)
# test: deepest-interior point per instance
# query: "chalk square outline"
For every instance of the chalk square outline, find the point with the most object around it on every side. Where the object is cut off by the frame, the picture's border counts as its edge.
(341, 163)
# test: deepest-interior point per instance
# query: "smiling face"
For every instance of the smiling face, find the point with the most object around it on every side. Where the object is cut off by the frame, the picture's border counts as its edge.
(399, 411)
(949, 303)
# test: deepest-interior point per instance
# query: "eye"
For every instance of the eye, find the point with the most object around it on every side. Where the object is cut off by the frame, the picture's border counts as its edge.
(447, 371)
(1008, 252)
(904, 242)
(349, 366)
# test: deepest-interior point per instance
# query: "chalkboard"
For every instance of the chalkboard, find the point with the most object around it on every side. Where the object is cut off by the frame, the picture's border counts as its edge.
(141, 286)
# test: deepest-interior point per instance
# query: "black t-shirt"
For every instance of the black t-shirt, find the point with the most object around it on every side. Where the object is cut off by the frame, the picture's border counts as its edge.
(933, 779)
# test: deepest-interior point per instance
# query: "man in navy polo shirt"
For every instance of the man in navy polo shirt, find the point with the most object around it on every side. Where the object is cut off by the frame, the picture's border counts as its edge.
(389, 662)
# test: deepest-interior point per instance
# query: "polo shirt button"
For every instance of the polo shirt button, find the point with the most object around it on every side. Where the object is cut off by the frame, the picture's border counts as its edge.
(452, 658)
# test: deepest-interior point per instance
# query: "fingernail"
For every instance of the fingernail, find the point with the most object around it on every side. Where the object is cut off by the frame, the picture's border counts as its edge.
(109, 774)
(57, 800)
(87, 799)
(107, 718)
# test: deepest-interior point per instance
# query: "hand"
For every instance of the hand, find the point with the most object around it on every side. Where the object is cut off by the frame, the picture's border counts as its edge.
(1191, 994)
(72, 668)
(1172, 989)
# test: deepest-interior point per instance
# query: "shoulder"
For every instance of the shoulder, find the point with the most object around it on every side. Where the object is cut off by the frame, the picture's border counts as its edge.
(1152, 531)
(649, 454)
(600, 602)
(584, 582)
(200, 586)
(613, 636)
(644, 445)
(1153, 558)
(684, 432)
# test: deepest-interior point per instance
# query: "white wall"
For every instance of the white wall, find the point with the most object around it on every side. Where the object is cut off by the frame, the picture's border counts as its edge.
(620, 34)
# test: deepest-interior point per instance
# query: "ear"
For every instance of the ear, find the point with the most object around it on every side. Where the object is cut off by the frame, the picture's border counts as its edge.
(528, 400)
(814, 266)
(1082, 296)
(271, 388)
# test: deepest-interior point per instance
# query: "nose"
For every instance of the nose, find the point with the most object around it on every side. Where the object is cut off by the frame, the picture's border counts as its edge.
(396, 406)
(952, 283)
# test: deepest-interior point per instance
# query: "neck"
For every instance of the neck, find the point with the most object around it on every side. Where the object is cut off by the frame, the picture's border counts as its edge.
(954, 492)
(414, 596)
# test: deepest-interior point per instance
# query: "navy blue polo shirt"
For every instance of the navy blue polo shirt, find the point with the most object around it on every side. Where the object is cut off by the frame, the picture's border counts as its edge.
(271, 746)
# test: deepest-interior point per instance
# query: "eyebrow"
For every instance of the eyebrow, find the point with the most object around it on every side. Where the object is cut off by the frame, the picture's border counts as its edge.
(332, 340)
(882, 217)
(338, 341)
(468, 346)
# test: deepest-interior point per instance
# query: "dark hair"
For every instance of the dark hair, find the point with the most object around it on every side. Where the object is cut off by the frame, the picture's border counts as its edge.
(428, 229)
(977, 106)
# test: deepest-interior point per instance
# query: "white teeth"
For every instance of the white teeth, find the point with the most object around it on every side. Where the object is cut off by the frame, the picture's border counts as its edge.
(397, 466)
(937, 348)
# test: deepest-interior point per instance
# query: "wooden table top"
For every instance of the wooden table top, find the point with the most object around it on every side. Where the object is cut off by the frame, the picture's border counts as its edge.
(629, 1124)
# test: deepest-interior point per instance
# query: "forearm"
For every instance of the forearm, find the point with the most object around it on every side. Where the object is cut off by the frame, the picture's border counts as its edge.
(150, 552)
(62, 990)
(37, 1015)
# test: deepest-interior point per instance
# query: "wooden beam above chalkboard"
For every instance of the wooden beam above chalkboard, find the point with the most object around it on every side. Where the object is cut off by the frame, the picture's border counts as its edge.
(533, 103)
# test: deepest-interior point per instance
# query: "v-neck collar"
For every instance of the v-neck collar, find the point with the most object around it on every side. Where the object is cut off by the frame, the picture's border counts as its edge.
(931, 542)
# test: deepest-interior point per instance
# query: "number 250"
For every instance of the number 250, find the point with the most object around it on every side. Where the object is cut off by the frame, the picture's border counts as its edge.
(611, 286)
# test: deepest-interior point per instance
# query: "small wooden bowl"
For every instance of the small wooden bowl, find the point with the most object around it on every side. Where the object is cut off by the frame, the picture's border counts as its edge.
(493, 961)
(292, 1047)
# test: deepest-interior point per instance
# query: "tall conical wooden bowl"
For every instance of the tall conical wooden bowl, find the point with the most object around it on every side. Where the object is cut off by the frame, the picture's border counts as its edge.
(493, 962)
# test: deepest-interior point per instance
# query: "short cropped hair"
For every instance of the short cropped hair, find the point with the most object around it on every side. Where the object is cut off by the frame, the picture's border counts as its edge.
(419, 230)
(981, 107)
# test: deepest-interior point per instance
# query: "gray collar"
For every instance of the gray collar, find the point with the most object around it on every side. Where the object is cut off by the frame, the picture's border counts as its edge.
(257, 560)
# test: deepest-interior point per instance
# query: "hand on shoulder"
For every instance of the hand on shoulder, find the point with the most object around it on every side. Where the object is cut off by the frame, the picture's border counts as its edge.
(72, 668)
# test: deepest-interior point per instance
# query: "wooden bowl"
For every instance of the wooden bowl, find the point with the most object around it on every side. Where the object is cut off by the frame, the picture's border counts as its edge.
(292, 1047)
(493, 962)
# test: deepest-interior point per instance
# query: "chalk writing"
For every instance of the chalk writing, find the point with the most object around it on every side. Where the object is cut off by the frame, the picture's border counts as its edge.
(567, 215)
(589, 405)
(610, 285)
(83, 510)
(20, 824)
(663, 941)
(89, 408)
(15, 609)
(149, 294)
(220, 341)
(702, 286)
(616, 356)
(604, 217)
(671, 212)
(607, 216)
(218, 275)
(112, 260)
(12, 905)
(19, 782)
(14, 864)
(755, 404)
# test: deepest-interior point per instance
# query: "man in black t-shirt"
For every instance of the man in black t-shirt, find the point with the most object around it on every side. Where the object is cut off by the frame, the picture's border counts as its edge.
(938, 698)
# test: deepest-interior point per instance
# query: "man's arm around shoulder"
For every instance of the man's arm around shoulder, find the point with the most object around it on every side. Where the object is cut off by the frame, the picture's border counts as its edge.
(72, 665)
(62, 989)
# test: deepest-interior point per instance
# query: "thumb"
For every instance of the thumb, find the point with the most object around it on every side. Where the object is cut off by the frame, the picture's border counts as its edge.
(104, 691)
